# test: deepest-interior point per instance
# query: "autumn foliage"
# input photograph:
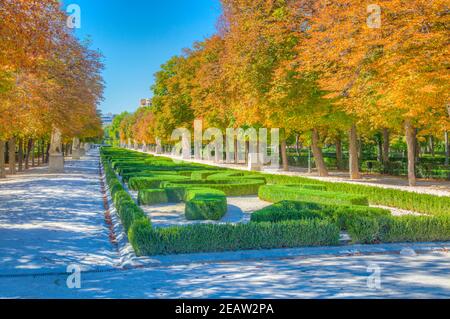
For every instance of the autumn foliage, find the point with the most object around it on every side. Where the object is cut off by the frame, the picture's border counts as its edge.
(48, 78)
(322, 71)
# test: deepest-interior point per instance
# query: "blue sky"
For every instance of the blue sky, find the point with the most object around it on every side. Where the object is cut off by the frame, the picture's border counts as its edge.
(137, 36)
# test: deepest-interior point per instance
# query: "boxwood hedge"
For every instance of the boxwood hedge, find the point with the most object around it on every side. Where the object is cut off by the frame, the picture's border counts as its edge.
(227, 237)
(276, 193)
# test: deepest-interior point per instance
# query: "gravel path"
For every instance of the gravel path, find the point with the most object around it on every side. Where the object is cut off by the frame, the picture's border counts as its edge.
(421, 276)
(48, 221)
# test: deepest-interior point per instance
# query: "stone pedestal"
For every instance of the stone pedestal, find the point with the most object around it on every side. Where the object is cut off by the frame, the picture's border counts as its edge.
(254, 163)
(76, 154)
(56, 163)
(76, 148)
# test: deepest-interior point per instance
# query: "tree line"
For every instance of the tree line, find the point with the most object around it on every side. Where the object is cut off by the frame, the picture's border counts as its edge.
(324, 72)
(49, 80)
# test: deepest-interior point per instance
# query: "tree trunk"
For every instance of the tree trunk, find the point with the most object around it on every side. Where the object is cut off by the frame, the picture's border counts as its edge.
(411, 142)
(20, 155)
(317, 153)
(2, 159)
(39, 146)
(417, 147)
(284, 156)
(431, 141)
(12, 155)
(353, 154)
(339, 159)
(447, 149)
(30, 151)
(386, 134)
(47, 153)
(297, 145)
(33, 154)
(380, 150)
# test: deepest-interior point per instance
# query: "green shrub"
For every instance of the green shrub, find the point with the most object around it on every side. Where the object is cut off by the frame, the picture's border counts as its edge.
(232, 187)
(415, 229)
(400, 229)
(228, 237)
(205, 204)
(297, 210)
(363, 230)
(276, 193)
(140, 183)
(152, 196)
(423, 203)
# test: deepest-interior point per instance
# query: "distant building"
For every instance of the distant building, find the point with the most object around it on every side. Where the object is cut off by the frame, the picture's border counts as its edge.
(107, 119)
(146, 102)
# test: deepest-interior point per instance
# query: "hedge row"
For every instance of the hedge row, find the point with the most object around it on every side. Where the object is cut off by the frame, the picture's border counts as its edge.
(391, 229)
(228, 237)
(231, 187)
(128, 211)
(155, 181)
(276, 193)
(297, 210)
(422, 203)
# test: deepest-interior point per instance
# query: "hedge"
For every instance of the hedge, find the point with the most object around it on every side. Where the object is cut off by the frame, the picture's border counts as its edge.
(232, 187)
(149, 241)
(422, 203)
(368, 230)
(296, 210)
(152, 196)
(205, 204)
(140, 183)
(276, 193)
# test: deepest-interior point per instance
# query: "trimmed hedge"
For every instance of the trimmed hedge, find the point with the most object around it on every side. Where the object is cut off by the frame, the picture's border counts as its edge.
(296, 210)
(422, 203)
(228, 237)
(232, 187)
(205, 204)
(140, 183)
(127, 210)
(152, 196)
(367, 230)
(276, 193)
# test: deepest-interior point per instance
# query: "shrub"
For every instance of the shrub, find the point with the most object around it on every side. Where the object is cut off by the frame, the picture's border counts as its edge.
(275, 193)
(139, 183)
(232, 187)
(228, 237)
(152, 196)
(296, 210)
(205, 204)
(400, 229)
(423, 203)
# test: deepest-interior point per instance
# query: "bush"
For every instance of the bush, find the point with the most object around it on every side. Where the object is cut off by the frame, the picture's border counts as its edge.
(422, 203)
(205, 204)
(140, 183)
(232, 187)
(400, 229)
(152, 196)
(295, 210)
(228, 237)
(276, 193)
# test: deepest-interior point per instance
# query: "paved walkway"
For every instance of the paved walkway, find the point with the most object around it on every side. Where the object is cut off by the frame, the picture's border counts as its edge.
(422, 276)
(48, 221)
